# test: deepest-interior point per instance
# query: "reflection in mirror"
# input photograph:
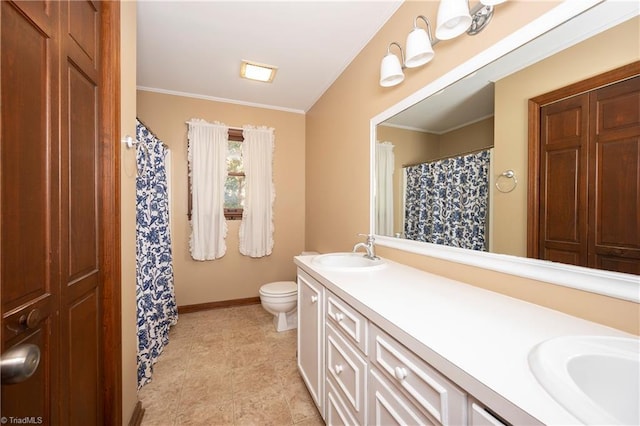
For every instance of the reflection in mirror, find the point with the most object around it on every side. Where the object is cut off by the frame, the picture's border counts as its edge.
(429, 179)
(486, 109)
(441, 182)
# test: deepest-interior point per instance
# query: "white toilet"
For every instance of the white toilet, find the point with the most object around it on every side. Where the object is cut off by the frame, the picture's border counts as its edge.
(280, 298)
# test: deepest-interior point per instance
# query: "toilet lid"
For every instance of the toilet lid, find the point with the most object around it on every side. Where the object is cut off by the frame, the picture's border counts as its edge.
(280, 288)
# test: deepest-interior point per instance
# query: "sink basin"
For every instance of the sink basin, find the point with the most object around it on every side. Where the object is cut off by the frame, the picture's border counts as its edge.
(347, 262)
(596, 378)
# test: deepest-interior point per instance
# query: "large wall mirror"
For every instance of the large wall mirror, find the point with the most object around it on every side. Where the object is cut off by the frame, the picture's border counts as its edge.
(477, 114)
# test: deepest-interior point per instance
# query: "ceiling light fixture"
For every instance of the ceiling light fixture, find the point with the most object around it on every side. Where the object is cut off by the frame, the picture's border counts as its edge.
(454, 18)
(258, 72)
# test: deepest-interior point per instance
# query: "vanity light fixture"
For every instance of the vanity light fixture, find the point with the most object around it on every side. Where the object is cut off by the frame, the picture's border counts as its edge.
(259, 72)
(480, 19)
(454, 18)
(492, 2)
(419, 44)
(391, 68)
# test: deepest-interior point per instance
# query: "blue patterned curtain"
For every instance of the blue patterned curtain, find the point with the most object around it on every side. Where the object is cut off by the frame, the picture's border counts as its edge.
(156, 305)
(446, 201)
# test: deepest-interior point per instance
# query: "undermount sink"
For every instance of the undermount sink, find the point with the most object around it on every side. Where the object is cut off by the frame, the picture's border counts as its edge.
(596, 378)
(347, 261)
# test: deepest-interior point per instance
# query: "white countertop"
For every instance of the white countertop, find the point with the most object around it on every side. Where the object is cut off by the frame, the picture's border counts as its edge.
(478, 338)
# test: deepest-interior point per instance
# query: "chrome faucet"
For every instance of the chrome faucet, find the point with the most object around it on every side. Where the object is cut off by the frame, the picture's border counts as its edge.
(368, 246)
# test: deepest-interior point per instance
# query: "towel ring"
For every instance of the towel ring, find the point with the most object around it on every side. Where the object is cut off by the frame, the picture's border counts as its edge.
(507, 174)
(133, 143)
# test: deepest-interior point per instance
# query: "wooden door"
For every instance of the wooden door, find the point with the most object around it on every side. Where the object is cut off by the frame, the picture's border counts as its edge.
(30, 197)
(563, 187)
(54, 272)
(614, 181)
(80, 372)
(589, 176)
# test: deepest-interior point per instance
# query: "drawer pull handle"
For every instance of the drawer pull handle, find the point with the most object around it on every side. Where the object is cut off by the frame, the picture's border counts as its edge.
(314, 299)
(400, 373)
(338, 368)
(339, 316)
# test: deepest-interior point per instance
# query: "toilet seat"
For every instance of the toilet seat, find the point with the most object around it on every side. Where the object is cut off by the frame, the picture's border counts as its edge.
(279, 288)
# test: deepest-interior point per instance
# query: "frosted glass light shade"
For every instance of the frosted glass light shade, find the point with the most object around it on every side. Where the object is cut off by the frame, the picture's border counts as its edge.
(256, 71)
(390, 71)
(453, 19)
(418, 48)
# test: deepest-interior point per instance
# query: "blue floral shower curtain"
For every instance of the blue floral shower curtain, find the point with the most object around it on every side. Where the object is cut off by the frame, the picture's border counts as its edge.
(446, 201)
(156, 305)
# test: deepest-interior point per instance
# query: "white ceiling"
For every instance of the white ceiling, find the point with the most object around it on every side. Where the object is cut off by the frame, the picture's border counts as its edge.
(194, 48)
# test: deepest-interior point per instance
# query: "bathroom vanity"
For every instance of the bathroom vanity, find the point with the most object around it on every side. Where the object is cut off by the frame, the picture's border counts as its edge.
(395, 345)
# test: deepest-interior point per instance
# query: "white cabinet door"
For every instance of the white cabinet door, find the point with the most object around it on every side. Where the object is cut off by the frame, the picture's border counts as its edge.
(311, 336)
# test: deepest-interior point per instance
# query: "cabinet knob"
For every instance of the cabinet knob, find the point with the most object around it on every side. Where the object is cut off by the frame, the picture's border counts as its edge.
(400, 373)
(338, 368)
(339, 316)
(314, 299)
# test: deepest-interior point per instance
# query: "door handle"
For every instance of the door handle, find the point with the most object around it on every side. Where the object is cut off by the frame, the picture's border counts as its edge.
(31, 320)
(19, 363)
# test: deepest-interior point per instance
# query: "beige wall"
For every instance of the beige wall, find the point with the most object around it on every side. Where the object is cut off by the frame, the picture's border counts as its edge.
(128, 207)
(337, 138)
(233, 276)
(613, 48)
(472, 137)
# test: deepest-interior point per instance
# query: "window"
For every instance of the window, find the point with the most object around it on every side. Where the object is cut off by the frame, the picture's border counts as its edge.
(234, 186)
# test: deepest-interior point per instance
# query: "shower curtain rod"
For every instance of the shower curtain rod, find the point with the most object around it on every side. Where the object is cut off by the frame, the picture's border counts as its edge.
(152, 132)
(462, 154)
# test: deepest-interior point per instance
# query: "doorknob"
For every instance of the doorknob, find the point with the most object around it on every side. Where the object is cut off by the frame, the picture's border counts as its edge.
(31, 320)
(19, 363)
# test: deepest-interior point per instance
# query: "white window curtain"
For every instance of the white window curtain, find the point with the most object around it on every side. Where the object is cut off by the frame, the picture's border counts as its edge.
(208, 146)
(256, 228)
(385, 163)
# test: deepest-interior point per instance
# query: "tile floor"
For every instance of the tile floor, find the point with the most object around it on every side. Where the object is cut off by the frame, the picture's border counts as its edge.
(228, 367)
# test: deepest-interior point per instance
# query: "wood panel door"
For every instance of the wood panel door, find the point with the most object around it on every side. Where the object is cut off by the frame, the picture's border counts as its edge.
(614, 183)
(589, 178)
(563, 185)
(54, 271)
(30, 197)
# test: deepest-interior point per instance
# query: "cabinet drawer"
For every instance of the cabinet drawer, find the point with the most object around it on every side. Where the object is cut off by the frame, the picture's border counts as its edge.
(388, 406)
(337, 412)
(430, 391)
(479, 416)
(351, 322)
(348, 371)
